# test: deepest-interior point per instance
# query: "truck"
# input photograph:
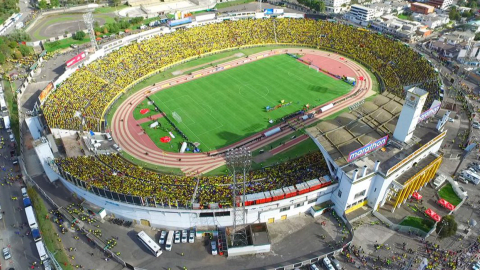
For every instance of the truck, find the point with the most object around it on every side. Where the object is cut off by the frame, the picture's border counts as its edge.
(16, 165)
(471, 176)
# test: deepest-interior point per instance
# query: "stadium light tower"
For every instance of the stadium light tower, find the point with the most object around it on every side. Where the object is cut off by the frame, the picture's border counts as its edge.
(88, 19)
(239, 160)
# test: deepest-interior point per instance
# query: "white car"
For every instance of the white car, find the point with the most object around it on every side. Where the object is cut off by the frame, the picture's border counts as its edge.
(214, 247)
(116, 147)
(12, 138)
(6, 253)
(314, 267)
(163, 235)
(191, 236)
(184, 236)
(177, 237)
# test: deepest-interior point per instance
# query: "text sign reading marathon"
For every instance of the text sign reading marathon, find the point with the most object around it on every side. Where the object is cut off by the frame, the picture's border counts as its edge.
(367, 149)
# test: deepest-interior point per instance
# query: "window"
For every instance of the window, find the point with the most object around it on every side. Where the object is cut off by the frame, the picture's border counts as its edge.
(208, 214)
(299, 204)
(360, 194)
(285, 209)
(312, 201)
(375, 190)
(339, 193)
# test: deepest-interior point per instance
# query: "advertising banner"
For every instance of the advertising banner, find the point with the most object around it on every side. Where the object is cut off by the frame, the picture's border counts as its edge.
(77, 58)
(367, 148)
(45, 92)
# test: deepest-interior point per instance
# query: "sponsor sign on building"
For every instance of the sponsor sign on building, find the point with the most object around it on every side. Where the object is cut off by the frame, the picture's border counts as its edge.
(367, 148)
(77, 58)
(45, 92)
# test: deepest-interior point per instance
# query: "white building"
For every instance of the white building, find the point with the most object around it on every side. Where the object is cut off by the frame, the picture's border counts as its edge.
(401, 29)
(360, 13)
(374, 168)
(336, 6)
(432, 20)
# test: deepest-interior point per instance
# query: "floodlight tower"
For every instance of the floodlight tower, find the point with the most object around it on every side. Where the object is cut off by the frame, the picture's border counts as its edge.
(88, 19)
(239, 160)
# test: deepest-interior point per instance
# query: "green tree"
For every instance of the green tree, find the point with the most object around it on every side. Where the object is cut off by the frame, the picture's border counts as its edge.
(79, 35)
(42, 4)
(454, 14)
(19, 35)
(447, 227)
(116, 2)
(55, 3)
(321, 6)
(25, 50)
(2, 58)
(17, 55)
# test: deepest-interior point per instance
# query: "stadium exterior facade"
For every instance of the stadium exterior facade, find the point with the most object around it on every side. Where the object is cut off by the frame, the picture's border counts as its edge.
(165, 217)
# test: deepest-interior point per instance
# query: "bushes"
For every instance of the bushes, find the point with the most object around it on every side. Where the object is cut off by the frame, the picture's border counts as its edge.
(79, 35)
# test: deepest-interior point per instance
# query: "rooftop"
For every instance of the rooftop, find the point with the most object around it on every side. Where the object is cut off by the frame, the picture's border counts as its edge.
(368, 123)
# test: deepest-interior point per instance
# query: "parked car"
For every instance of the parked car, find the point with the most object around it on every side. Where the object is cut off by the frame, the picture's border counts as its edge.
(476, 125)
(191, 236)
(214, 247)
(314, 267)
(12, 138)
(177, 237)
(163, 236)
(108, 137)
(116, 147)
(6, 253)
(336, 263)
(184, 236)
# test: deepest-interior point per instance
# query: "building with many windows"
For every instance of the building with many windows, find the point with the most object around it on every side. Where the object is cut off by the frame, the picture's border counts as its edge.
(360, 13)
(441, 4)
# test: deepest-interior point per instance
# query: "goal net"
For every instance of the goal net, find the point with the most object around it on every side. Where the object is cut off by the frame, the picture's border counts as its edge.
(177, 117)
(314, 67)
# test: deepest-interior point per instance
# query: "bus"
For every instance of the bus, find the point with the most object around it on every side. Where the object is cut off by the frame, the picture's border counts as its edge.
(149, 243)
(32, 222)
(41, 251)
(169, 243)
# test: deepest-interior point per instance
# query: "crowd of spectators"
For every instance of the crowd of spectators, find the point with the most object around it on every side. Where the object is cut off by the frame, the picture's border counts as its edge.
(79, 102)
(115, 174)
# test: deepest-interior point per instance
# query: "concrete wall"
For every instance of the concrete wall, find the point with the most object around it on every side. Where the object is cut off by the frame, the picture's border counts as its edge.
(248, 250)
(172, 218)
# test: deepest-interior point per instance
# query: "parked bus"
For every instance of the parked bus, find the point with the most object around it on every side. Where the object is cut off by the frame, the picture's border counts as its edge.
(32, 222)
(149, 243)
(41, 251)
(169, 243)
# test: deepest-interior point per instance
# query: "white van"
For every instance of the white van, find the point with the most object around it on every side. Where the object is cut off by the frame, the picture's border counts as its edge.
(108, 136)
(169, 243)
(471, 176)
(24, 192)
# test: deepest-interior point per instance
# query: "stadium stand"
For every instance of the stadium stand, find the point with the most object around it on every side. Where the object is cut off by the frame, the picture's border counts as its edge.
(79, 102)
(100, 81)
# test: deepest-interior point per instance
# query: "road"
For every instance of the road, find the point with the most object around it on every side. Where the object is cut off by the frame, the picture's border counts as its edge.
(22, 247)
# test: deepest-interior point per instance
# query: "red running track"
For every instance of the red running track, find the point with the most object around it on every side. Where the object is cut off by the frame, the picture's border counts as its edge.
(129, 135)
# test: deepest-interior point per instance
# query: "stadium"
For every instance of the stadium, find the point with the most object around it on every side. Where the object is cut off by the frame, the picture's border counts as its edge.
(96, 96)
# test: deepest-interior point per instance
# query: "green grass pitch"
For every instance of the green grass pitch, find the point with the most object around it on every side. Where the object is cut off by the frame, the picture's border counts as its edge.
(223, 108)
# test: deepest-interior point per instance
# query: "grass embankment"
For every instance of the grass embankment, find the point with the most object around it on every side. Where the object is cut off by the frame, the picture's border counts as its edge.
(417, 222)
(11, 100)
(64, 43)
(48, 231)
(447, 193)
(232, 3)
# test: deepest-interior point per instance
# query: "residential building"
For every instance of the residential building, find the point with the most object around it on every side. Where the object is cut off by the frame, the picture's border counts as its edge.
(360, 13)
(457, 37)
(401, 29)
(336, 6)
(432, 20)
(441, 4)
(421, 8)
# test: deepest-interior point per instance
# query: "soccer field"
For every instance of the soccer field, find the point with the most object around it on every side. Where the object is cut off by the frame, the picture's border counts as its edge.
(220, 109)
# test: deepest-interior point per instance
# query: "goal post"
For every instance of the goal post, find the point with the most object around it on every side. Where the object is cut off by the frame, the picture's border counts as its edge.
(314, 67)
(177, 117)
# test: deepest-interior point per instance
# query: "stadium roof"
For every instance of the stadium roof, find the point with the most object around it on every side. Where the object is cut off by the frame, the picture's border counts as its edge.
(369, 122)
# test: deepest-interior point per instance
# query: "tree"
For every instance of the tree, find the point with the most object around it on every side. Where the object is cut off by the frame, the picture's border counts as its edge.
(79, 35)
(19, 35)
(454, 14)
(447, 227)
(42, 4)
(116, 2)
(25, 50)
(321, 6)
(55, 3)
(2, 58)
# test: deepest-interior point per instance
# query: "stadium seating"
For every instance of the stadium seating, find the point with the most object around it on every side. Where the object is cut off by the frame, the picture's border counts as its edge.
(79, 102)
(116, 174)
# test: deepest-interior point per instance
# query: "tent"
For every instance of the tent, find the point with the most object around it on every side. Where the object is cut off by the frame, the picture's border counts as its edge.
(417, 196)
(442, 202)
(433, 215)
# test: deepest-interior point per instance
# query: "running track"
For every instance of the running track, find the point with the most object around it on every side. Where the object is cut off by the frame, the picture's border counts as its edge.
(128, 134)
